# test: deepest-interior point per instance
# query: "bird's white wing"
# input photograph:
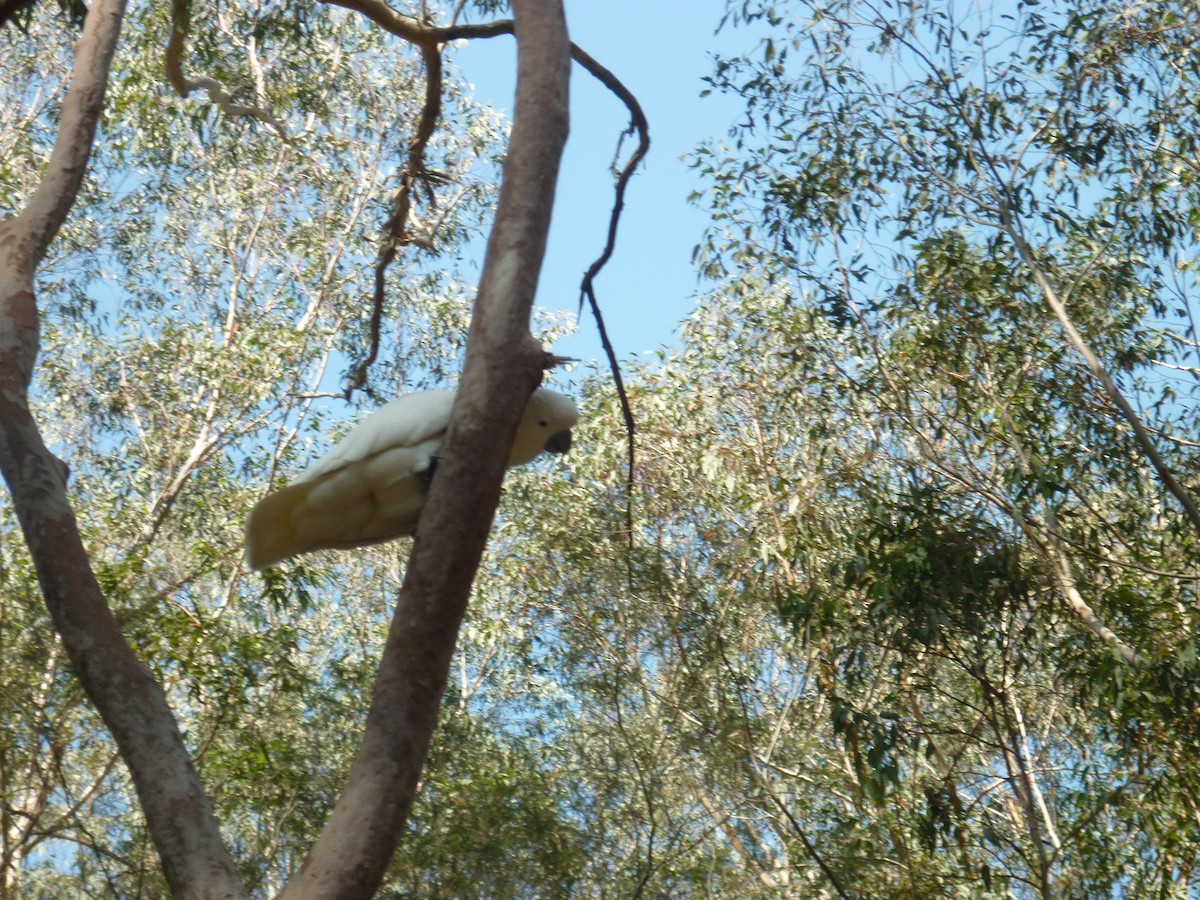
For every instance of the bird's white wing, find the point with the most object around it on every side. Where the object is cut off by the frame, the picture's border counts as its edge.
(372, 485)
(404, 422)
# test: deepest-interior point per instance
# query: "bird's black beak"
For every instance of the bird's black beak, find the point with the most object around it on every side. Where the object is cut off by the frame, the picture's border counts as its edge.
(559, 443)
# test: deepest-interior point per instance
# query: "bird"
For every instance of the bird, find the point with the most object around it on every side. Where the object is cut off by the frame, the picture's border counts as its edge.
(371, 486)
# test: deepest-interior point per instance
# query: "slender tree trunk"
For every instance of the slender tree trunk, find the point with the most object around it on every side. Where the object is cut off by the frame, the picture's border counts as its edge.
(504, 364)
(128, 698)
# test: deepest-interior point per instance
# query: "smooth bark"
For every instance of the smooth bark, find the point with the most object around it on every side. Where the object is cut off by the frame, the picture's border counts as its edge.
(128, 698)
(504, 365)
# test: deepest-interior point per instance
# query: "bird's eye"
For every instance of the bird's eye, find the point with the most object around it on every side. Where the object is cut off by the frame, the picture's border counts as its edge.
(543, 423)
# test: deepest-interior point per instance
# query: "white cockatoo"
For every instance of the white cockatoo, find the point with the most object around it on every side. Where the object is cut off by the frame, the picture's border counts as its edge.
(371, 486)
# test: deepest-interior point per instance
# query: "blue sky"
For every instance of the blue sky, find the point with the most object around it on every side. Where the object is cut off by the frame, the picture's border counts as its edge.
(660, 50)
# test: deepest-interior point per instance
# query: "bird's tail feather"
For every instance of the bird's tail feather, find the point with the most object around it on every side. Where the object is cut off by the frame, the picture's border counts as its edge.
(270, 530)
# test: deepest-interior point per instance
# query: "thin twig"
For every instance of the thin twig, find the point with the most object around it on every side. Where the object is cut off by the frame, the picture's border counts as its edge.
(809, 846)
(587, 289)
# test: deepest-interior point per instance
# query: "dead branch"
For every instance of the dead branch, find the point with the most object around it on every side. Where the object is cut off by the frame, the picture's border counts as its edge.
(587, 289)
(396, 231)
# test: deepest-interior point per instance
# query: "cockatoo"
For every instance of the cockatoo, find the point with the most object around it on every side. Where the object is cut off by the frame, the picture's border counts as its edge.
(371, 486)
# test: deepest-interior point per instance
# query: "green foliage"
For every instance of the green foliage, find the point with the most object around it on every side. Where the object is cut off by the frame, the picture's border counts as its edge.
(986, 502)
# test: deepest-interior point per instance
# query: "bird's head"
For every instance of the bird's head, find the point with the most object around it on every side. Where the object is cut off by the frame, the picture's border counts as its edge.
(545, 426)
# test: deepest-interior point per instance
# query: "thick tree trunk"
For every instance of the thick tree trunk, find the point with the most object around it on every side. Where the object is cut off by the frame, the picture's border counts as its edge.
(504, 365)
(128, 698)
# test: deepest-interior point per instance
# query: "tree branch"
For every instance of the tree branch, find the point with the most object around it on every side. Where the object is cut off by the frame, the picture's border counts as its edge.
(396, 231)
(1056, 554)
(181, 16)
(504, 364)
(1100, 373)
(131, 702)
(587, 288)
(1065, 577)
